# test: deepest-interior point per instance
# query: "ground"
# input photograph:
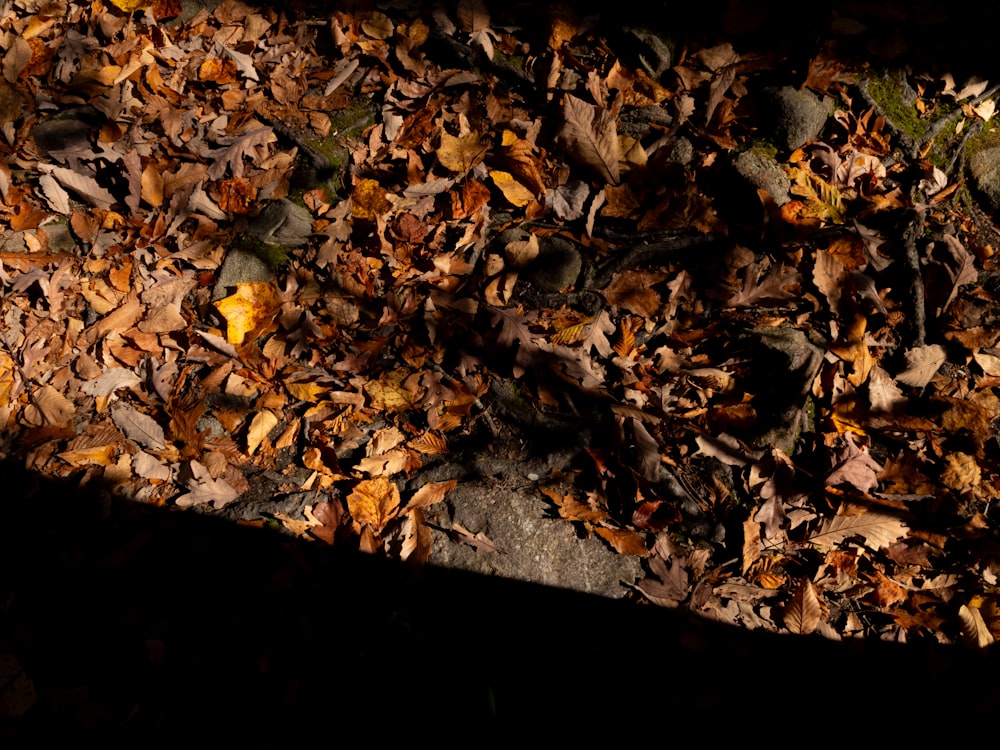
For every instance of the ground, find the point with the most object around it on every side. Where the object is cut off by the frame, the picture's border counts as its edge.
(475, 364)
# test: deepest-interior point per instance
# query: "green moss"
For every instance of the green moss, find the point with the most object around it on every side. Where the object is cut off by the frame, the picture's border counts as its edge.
(989, 137)
(345, 125)
(888, 94)
(765, 149)
(275, 256)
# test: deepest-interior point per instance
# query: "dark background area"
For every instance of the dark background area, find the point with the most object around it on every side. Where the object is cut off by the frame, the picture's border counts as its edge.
(150, 625)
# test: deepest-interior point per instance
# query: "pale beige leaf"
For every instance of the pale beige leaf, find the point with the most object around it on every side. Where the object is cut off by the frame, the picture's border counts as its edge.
(137, 426)
(297, 526)
(473, 16)
(58, 199)
(883, 393)
(86, 187)
(110, 381)
(922, 364)
(204, 489)
(974, 628)
(590, 136)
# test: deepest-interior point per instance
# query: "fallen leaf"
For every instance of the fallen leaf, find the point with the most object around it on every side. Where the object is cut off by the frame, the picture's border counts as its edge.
(590, 136)
(876, 528)
(803, 614)
(974, 628)
(204, 489)
(922, 364)
(251, 307)
(373, 503)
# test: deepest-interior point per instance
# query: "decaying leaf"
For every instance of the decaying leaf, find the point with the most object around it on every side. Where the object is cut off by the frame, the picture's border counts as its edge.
(203, 488)
(922, 364)
(373, 503)
(590, 136)
(876, 528)
(803, 614)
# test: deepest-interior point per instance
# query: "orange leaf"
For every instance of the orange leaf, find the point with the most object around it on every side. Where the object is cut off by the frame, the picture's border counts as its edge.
(373, 503)
(431, 493)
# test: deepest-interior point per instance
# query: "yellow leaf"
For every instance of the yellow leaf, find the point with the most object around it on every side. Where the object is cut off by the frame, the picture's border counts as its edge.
(430, 443)
(377, 26)
(431, 493)
(460, 153)
(373, 503)
(131, 6)
(369, 201)
(99, 455)
(215, 70)
(305, 391)
(253, 306)
(389, 393)
(624, 542)
(852, 347)
(512, 190)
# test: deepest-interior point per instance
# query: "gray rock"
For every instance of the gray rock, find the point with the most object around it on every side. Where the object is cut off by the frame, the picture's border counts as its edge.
(557, 266)
(282, 223)
(530, 546)
(787, 363)
(240, 266)
(763, 172)
(798, 115)
(984, 166)
(682, 151)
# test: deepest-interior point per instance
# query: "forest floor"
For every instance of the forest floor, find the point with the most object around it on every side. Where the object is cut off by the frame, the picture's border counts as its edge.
(726, 308)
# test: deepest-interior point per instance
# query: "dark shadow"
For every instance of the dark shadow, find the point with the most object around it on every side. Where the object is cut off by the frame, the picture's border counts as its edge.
(149, 626)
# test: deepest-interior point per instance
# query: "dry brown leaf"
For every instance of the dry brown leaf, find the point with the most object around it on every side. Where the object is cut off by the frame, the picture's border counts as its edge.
(803, 614)
(878, 529)
(431, 493)
(623, 541)
(590, 136)
(477, 541)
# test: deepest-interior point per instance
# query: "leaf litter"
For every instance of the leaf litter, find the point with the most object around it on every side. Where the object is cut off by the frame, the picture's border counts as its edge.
(144, 150)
